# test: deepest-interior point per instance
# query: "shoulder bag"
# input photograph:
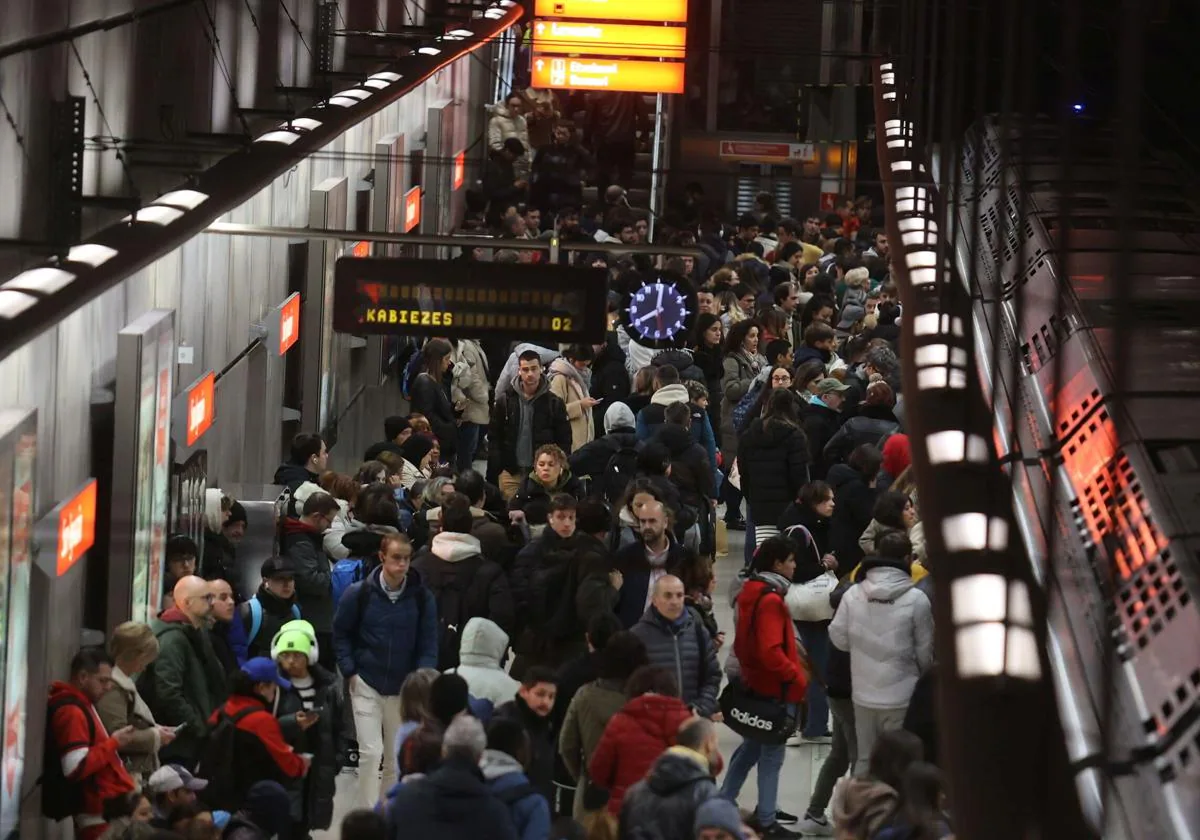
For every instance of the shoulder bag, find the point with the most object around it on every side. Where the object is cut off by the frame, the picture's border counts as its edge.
(809, 601)
(766, 720)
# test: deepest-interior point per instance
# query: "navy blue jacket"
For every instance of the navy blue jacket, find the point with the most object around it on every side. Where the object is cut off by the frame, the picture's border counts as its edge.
(384, 642)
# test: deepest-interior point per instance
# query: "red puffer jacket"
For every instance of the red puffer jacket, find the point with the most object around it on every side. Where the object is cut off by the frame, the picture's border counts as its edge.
(632, 740)
(765, 644)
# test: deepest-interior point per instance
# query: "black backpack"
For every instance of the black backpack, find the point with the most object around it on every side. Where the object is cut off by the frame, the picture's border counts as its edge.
(621, 469)
(62, 797)
(218, 761)
(450, 595)
(552, 605)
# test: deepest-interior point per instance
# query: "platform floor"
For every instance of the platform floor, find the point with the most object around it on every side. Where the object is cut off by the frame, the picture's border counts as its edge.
(799, 771)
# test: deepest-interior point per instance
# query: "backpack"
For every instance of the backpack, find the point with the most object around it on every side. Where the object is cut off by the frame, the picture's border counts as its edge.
(62, 797)
(451, 600)
(256, 614)
(416, 363)
(218, 760)
(747, 402)
(552, 605)
(621, 469)
(346, 571)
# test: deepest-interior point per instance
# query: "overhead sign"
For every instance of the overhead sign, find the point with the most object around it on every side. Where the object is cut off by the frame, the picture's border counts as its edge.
(412, 209)
(201, 401)
(459, 176)
(629, 76)
(457, 299)
(361, 249)
(76, 528)
(289, 323)
(750, 150)
(580, 37)
(657, 11)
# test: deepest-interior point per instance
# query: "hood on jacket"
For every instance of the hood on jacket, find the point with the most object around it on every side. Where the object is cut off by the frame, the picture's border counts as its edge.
(618, 417)
(542, 388)
(676, 439)
(864, 807)
(297, 526)
(212, 509)
(459, 787)
(496, 764)
(840, 475)
(174, 615)
(454, 548)
(762, 433)
(885, 582)
(301, 493)
(876, 412)
(676, 767)
(655, 714)
(505, 382)
(562, 367)
(668, 394)
(482, 644)
(291, 474)
(59, 689)
(266, 806)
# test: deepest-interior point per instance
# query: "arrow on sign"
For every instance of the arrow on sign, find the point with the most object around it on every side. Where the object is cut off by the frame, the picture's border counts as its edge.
(540, 28)
(539, 64)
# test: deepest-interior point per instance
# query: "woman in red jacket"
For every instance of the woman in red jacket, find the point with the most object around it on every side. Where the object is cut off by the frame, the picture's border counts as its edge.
(764, 644)
(261, 753)
(638, 734)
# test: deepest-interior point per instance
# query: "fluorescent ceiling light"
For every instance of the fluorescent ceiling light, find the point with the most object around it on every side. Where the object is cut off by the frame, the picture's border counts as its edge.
(287, 138)
(461, 33)
(155, 214)
(386, 76)
(13, 303)
(376, 84)
(305, 123)
(342, 101)
(187, 199)
(429, 51)
(45, 280)
(493, 14)
(353, 93)
(91, 254)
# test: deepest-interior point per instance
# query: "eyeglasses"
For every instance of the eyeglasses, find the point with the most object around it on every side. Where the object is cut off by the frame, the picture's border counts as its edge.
(209, 597)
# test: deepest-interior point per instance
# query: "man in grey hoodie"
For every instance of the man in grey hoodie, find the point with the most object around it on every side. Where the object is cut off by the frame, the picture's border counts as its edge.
(524, 418)
(886, 625)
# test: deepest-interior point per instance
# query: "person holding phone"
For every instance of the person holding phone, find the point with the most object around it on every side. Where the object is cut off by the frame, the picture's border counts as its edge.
(310, 715)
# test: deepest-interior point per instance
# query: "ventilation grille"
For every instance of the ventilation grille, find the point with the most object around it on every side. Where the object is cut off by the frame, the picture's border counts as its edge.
(1044, 343)
(1180, 761)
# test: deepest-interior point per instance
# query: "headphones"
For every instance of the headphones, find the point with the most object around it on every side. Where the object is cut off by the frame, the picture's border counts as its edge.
(297, 636)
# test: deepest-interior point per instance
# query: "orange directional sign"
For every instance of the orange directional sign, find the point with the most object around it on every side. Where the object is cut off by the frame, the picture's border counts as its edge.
(607, 74)
(412, 209)
(76, 527)
(573, 36)
(658, 11)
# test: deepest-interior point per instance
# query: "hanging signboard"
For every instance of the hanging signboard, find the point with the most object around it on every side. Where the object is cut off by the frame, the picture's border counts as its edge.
(459, 175)
(587, 38)
(656, 11)
(412, 210)
(761, 152)
(625, 75)
(70, 528)
(201, 402)
(289, 323)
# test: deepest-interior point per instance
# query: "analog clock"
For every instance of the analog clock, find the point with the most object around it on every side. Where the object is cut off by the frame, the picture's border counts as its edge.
(661, 312)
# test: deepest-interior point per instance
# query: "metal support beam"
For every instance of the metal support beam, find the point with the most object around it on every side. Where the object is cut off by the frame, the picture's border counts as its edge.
(72, 33)
(326, 22)
(65, 222)
(341, 235)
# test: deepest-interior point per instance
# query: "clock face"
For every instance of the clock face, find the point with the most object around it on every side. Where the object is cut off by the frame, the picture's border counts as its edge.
(660, 313)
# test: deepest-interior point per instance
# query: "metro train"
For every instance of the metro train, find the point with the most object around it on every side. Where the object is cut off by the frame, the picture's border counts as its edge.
(1117, 540)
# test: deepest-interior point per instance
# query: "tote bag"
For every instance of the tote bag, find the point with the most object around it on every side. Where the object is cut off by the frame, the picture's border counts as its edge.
(809, 601)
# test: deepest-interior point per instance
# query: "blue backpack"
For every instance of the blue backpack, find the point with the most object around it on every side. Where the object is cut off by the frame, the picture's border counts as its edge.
(416, 364)
(345, 572)
(746, 403)
(256, 612)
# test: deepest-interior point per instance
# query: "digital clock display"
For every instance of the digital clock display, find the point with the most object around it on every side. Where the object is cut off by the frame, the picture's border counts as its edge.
(457, 299)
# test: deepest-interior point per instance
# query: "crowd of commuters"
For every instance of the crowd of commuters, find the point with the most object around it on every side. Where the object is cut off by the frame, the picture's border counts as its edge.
(530, 650)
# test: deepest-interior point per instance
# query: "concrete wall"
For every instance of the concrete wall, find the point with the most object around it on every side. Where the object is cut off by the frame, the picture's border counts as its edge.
(219, 286)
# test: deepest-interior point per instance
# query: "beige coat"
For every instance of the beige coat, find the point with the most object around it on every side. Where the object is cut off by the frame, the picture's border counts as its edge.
(469, 388)
(567, 385)
(121, 707)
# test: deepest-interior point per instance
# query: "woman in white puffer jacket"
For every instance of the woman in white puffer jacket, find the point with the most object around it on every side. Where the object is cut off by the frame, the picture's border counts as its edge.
(508, 120)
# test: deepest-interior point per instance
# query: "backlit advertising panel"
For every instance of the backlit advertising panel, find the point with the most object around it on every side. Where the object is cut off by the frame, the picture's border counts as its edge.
(18, 450)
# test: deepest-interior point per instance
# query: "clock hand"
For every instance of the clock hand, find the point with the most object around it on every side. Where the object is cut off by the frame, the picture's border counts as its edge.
(646, 317)
(661, 287)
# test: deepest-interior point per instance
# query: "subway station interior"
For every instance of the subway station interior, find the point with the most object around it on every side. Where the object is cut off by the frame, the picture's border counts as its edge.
(195, 187)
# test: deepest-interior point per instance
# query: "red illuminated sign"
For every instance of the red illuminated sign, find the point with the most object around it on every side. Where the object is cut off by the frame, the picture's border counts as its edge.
(412, 209)
(76, 527)
(460, 170)
(200, 404)
(361, 249)
(289, 323)
(656, 11)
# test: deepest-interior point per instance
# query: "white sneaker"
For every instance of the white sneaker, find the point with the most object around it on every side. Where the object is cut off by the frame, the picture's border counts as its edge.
(811, 828)
(795, 740)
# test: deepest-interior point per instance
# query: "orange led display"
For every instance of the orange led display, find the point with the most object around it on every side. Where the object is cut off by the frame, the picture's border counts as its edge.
(629, 76)
(572, 36)
(658, 11)
(201, 404)
(412, 209)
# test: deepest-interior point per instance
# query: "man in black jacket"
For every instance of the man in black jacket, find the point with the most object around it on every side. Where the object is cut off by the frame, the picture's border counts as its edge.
(303, 544)
(523, 419)
(453, 802)
(532, 708)
(822, 420)
(309, 458)
(691, 471)
(642, 563)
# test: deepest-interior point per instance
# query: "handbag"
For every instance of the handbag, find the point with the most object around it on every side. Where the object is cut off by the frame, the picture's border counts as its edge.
(756, 717)
(735, 475)
(809, 601)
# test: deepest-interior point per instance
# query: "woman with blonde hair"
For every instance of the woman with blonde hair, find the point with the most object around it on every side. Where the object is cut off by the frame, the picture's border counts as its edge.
(133, 647)
(414, 703)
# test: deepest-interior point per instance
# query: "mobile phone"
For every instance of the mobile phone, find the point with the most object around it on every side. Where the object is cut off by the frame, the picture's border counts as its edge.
(181, 727)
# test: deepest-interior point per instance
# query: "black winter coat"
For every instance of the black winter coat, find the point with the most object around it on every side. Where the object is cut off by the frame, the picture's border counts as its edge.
(478, 586)
(610, 380)
(854, 502)
(276, 612)
(820, 425)
(543, 745)
(323, 740)
(550, 425)
(631, 561)
(664, 804)
(592, 458)
(773, 459)
(428, 396)
(220, 561)
(520, 576)
(870, 425)
(533, 498)
(691, 470)
(808, 561)
(451, 803)
(306, 549)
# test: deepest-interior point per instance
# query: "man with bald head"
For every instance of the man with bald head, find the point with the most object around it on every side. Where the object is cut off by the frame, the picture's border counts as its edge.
(186, 683)
(677, 640)
(655, 553)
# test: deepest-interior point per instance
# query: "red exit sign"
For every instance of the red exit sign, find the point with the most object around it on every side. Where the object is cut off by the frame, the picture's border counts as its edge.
(76, 527)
